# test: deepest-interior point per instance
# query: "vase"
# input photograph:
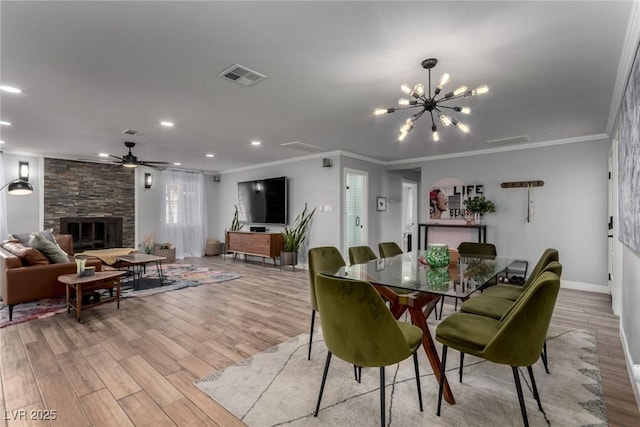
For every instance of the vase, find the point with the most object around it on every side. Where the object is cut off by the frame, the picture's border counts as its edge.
(438, 255)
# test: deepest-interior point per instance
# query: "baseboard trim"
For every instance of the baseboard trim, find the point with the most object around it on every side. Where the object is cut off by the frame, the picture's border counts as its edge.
(581, 286)
(635, 382)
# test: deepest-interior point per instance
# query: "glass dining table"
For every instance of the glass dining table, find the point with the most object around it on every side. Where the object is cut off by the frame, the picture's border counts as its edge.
(412, 286)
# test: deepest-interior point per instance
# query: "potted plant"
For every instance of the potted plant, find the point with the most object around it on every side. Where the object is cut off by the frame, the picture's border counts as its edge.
(235, 226)
(478, 206)
(294, 236)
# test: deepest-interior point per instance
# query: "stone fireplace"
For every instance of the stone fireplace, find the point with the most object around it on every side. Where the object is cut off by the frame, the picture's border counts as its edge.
(93, 232)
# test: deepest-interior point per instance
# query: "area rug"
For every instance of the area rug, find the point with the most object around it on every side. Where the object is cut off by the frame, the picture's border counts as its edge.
(177, 276)
(279, 387)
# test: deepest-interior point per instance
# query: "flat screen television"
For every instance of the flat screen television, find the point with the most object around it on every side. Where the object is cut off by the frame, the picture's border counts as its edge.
(263, 201)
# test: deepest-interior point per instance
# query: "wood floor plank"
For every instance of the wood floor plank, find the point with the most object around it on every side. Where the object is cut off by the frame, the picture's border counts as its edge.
(116, 379)
(144, 412)
(185, 413)
(56, 396)
(103, 410)
(156, 386)
(81, 375)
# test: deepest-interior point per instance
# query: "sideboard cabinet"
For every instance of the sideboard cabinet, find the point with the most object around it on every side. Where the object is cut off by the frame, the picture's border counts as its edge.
(265, 245)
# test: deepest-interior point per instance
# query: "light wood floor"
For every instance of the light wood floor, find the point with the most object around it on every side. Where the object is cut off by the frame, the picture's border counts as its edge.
(137, 365)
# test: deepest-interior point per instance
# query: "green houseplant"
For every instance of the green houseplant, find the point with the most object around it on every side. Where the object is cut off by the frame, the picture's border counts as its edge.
(294, 236)
(478, 206)
(235, 226)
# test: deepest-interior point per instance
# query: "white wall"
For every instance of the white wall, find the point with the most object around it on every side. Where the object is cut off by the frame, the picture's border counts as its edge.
(570, 209)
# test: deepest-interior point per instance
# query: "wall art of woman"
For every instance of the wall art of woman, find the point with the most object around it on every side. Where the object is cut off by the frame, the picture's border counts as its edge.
(438, 203)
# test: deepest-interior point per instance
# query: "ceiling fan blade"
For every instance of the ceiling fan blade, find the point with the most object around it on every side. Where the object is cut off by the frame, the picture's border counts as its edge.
(116, 157)
(146, 163)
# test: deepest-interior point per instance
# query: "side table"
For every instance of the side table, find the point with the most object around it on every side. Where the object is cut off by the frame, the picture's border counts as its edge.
(100, 280)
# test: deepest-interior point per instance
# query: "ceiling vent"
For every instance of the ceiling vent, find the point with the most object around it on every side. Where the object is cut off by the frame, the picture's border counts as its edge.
(240, 74)
(510, 140)
(303, 146)
(132, 132)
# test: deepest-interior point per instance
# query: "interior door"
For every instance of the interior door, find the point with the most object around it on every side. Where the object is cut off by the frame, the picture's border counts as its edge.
(409, 225)
(355, 209)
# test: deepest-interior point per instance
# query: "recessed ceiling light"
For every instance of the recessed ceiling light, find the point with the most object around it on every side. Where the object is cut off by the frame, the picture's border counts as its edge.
(177, 164)
(256, 143)
(210, 155)
(167, 124)
(3, 123)
(10, 89)
(103, 155)
(1, 142)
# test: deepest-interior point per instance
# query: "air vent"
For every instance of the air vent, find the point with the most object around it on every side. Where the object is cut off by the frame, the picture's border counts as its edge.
(303, 146)
(136, 132)
(510, 140)
(240, 74)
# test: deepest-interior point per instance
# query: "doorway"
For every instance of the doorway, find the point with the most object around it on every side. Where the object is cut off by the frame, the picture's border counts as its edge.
(355, 208)
(409, 223)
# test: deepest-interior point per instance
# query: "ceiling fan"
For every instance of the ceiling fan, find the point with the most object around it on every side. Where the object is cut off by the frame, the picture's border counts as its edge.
(131, 161)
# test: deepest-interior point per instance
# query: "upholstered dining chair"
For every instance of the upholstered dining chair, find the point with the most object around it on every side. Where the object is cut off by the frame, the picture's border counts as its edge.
(361, 255)
(358, 328)
(512, 292)
(323, 258)
(515, 341)
(389, 249)
(499, 308)
(472, 248)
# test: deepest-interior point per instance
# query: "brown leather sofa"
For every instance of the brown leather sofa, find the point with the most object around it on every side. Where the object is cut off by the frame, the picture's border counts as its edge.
(19, 283)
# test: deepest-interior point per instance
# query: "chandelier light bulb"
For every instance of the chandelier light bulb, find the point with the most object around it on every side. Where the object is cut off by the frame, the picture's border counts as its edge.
(436, 137)
(379, 111)
(460, 90)
(443, 80)
(406, 89)
(465, 110)
(406, 128)
(403, 101)
(446, 120)
(419, 89)
(480, 90)
(463, 127)
(402, 136)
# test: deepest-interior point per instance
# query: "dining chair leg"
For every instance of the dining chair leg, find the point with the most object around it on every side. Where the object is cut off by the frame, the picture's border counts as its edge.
(417, 369)
(382, 391)
(461, 364)
(523, 409)
(536, 395)
(441, 387)
(456, 305)
(357, 372)
(313, 318)
(441, 305)
(543, 356)
(324, 378)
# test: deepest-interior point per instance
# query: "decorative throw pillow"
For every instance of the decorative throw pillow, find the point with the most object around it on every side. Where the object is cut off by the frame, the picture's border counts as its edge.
(24, 237)
(28, 256)
(49, 249)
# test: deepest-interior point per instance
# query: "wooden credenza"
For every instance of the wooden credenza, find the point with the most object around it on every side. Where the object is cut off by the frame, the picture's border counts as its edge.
(265, 245)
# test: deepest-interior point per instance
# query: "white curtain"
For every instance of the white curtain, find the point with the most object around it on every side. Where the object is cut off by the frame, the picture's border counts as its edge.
(3, 202)
(183, 212)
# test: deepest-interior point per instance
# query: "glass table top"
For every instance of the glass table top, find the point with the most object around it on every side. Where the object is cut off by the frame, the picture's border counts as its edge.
(409, 272)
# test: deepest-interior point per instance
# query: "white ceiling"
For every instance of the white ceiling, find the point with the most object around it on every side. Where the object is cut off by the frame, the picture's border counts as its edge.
(89, 70)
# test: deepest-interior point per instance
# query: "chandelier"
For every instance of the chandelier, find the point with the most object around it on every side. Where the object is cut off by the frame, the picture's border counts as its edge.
(429, 103)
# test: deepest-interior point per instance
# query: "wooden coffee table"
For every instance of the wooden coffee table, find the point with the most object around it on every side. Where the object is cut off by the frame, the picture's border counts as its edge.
(137, 262)
(100, 280)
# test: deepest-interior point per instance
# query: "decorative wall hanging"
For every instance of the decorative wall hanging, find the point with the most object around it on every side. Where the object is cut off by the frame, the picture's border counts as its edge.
(446, 200)
(529, 186)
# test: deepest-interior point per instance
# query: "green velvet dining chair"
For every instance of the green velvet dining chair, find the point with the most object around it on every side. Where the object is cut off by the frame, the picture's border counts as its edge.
(389, 249)
(361, 255)
(359, 329)
(466, 249)
(516, 340)
(499, 308)
(323, 258)
(512, 292)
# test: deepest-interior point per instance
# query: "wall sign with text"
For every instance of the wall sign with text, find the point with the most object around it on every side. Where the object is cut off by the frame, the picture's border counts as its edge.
(446, 199)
